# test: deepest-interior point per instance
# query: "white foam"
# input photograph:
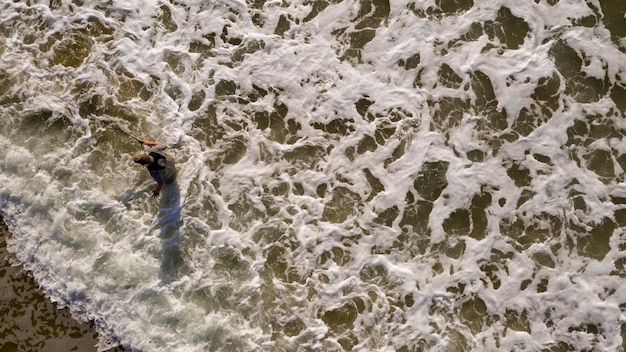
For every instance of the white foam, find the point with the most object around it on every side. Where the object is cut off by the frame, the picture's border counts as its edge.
(243, 253)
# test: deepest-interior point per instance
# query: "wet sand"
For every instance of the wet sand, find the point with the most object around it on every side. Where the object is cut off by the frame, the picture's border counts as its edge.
(31, 322)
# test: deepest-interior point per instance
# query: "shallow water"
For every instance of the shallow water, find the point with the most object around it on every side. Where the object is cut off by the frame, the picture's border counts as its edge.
(357, 175)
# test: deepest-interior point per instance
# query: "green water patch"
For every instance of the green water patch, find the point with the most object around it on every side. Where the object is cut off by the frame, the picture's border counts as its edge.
(366, 144)
(560, 346)
(601, 162)
(337, 126)
(371, 13)
(8, 93)
(474, 32)
(398, 152)
(415, 226)
(541, 228)
(279, 262)
(595, 243)
(448, 77)
(476, 155)
(606, 162)
(306, 157)
(375, 184)
(126, 85)
(530, 118)
(410, 62)
(99, 30)
(384, 131)
(519, 174)
(44, 128)
(231, 37)
(208, 210)
(283, 25)
(197, 99)
(455, 249)
(213, 299)
(317, 6)
(544, 258)
(378, 275)
(70, 49)
(363, 104)
(442, 8)
(229, 152)
(457, 340)
(247, 48)
(618, 95)
(449, 7)
(282, 129)
(516, 320)
(164, 16)
(547, 92)
(276, 263)
(471, 221)
(415, 216)
(593, 127)
(257, 93)
(486, 104)
(271, 232)
(457, 223)
(206, 128)
(178, 62)
(244, 212)
(340, 318)
(479, 204)
(448, 112)
(370, 16)
(431, 180)
(130, 88)
(346, 321)
(483, 89)
(510, 30)
(91, 101)
(546, 100)
(203, 45)
(256, 4)
(613, 13)
(336, 254)
(225, 87)
(342, 205)
(569, 62)
(473, 313)
(230, 264)
(387, 217)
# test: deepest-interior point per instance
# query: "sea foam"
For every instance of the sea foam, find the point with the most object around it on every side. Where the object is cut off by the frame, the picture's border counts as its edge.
(358, 175)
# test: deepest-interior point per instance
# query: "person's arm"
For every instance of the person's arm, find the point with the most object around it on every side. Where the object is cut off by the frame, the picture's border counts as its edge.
(157, 175)
(157, 191)
(154, 144)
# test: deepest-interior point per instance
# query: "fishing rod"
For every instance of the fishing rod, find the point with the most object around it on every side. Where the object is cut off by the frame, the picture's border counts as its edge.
(140, 141)
(115, 126)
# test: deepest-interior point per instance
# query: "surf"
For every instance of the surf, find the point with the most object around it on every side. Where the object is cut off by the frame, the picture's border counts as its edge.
(360, 175)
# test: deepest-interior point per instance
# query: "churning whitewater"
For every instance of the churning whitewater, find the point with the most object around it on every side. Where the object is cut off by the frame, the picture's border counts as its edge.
(359, 175)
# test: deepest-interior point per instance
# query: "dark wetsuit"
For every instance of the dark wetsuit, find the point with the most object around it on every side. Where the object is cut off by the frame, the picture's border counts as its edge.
(162, 168)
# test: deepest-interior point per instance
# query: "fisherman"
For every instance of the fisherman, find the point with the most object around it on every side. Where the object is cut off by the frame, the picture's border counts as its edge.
(161, 165)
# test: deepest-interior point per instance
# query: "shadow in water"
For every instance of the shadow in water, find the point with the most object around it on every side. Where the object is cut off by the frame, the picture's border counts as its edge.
(169, 222)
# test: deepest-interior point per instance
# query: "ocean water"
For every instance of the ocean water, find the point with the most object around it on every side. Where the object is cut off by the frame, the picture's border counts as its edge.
(371, 175)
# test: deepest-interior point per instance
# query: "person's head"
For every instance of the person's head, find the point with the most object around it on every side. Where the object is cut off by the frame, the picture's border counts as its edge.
(141, 158)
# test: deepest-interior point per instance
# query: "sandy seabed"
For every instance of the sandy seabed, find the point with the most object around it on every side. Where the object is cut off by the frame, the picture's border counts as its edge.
(31, 322)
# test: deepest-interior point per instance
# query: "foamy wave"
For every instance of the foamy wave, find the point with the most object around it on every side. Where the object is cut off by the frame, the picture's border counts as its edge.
(356, 175)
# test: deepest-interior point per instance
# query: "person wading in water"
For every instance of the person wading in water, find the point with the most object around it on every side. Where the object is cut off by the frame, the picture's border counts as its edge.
(161, 166)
